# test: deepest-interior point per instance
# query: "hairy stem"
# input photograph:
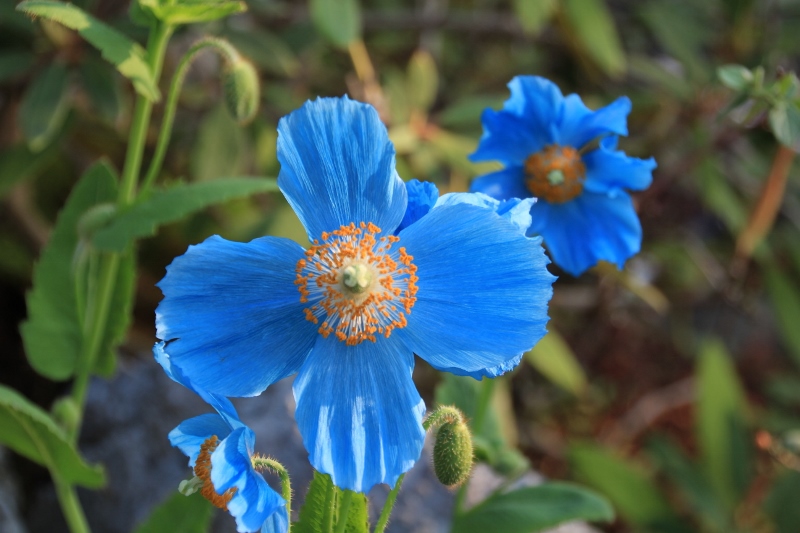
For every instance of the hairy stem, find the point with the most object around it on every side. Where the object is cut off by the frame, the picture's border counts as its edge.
(383, 519)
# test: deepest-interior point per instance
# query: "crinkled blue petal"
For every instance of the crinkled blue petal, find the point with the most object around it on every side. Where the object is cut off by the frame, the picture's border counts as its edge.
(591, 228)
(515, 210)
(233, 316)
(358, 410)
(277, 522)
(483, 291)
(580, 125)
(254, 500)
(222, 405)
(609, 170)
(190, 434)
(503, 184)
(338, 167)
(507, 138)
(422, 196)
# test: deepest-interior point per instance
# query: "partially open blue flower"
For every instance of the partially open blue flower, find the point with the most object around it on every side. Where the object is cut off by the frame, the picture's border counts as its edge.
(547, 143)
(220, 451)
(461, 287)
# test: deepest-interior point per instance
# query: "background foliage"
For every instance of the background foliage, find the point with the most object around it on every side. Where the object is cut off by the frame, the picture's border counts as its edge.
(671, 387)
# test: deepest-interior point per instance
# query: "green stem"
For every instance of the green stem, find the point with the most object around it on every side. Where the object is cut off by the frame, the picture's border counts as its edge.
(328, 512)
(386, 512)
(261, 463)
(156, 47)
(228, 53)
(344, 510)
(70, 506)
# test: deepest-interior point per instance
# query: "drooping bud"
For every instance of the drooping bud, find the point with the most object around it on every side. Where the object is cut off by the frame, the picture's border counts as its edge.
(452, 452)
(66, 413)
(242, 90)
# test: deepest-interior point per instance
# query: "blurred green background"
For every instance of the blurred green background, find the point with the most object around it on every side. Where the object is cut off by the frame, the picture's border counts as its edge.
(672, 387)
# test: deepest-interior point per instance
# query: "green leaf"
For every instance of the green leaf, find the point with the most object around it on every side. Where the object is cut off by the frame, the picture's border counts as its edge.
(220, 146)
(681, 28)
(628, 486)
(719, 196)
(338, 20)
(781, 504)
(193, 11)
(19, 162)
(30, 432)
(14, 64)
(314, 514)
(534, 14)
(179, 514)
(265, 50)
(720, 423)
(784, 119)
(423, 80)
(45, 106)
(129, 58)
(534, 509)
(553, 357)
(593, 26)
(119, 319)
(785, 297)
(357, 519)
(102, 88)
(735, 77)
(52, 333)
(466, 112)
(143, 218)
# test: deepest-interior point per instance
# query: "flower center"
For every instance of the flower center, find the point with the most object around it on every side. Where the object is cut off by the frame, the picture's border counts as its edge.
(202, 469)
(555, 174)
(358, 285)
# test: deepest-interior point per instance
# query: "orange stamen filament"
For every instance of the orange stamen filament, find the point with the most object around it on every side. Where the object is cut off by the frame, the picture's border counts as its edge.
(202, 469)
(556, 173)
(358, 285)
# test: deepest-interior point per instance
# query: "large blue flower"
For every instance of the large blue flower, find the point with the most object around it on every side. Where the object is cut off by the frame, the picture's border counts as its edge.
(347, 315)
(545, 141)
(220, 451)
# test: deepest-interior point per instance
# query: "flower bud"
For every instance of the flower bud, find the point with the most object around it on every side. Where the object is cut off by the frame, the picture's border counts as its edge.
(95, 218)
(452, 453)
(66, 413)
(242, 90)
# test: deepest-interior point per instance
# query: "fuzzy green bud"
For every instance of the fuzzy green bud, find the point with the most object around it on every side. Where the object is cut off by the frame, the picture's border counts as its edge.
(452, 453)
(65, 412)
(242, 90)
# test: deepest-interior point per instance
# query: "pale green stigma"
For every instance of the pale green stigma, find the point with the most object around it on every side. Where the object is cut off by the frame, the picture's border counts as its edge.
(357, 277)
(555, 177)
(188, 487)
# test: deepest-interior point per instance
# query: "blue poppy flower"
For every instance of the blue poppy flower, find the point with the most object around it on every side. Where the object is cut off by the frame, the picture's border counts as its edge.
(347, 315)
(545, 140)
(220, 451)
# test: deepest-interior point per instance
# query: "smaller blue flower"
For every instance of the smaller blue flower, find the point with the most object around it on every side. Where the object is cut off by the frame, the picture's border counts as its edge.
(546, 142)
(220, 451)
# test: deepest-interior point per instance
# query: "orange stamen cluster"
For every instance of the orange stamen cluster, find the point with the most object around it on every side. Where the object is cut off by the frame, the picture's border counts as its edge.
(555, 174)
(356, 314)
(202, 469)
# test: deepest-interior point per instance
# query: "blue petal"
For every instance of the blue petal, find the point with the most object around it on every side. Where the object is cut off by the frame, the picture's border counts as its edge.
(233, 315)
(609, 170)
(338, 167)
(223, 405)
(277, 522)
(191, 433)
(591, 228)
(507, 138)
(483, 291)
(580, 125)
(422, 196)
(515, 210)
(503, 184)
(254, 501)
(358, 410)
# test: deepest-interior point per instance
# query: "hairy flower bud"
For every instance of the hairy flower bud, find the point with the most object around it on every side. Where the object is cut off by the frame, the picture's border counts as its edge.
(242, 89)
(452, 452)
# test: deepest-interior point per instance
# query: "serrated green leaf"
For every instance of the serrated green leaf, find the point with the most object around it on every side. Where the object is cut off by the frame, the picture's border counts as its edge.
(534, 509)
(785, 297)
(315, 513)
(553, 357)
(784, 119)
(735, 77)
(119, 319)
(44, 106)
(338, 20)
(720, 423)
(593, 26)
(101, 86)
(534, 14)
(144, 217)
(30, 432)
(195, 11)
(129, 58)
(52, 333)
(423, 80)
(626, 484)
(179, 514)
